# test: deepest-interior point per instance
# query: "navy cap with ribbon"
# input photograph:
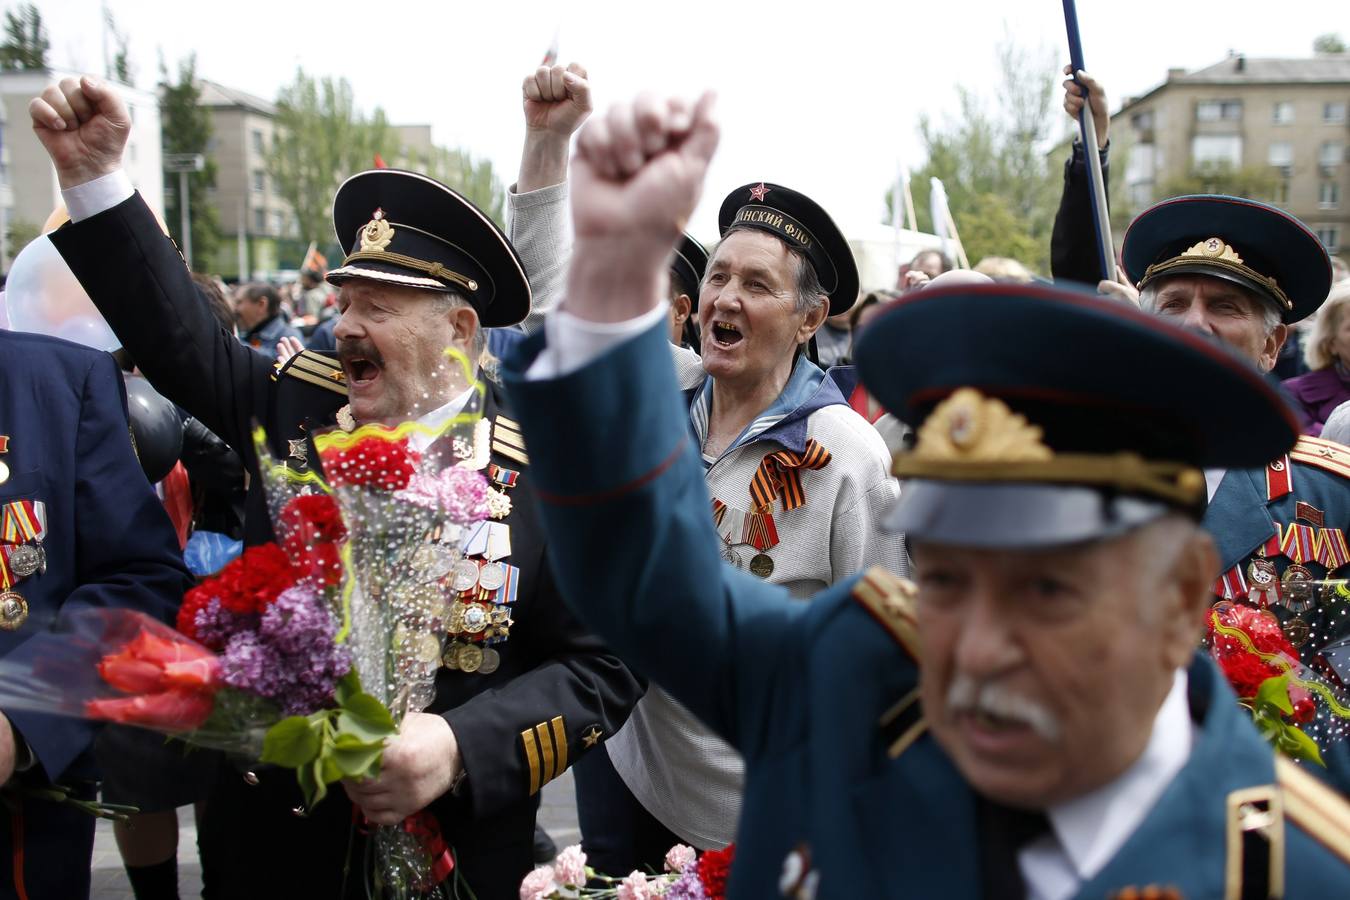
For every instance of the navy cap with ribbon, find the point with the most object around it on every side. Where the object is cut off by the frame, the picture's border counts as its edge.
(1030, 429)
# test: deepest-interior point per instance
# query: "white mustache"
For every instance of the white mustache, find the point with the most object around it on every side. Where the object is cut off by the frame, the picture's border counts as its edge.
(966, 695)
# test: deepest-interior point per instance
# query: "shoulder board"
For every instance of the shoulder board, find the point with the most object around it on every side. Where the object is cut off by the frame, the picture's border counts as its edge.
(508, 441)
(890, 600)
(1327, 455)
(316, 369)
(1315, 808)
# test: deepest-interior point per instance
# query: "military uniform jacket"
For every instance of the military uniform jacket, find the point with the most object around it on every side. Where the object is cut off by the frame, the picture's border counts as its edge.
(819, 697)
(557, 691)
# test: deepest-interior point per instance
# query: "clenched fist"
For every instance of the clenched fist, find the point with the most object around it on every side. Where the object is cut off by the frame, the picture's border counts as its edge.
(83, 125)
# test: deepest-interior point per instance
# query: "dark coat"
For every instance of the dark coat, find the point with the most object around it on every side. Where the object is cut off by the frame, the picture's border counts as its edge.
(109, 543)
(554, 676)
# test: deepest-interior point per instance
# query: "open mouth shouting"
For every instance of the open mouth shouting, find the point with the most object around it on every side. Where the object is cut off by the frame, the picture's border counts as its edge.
(725, 334)
(363, 365)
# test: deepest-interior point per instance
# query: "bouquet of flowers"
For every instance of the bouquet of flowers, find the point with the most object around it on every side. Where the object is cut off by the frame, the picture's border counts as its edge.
(688, 876)
(304, 653)
(1290, 705)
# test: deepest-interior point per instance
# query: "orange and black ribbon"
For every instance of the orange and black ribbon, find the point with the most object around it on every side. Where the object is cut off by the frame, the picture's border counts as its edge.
(780, 473)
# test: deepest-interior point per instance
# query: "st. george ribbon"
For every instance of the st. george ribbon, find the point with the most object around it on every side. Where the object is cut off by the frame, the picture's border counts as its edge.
(1106, 256)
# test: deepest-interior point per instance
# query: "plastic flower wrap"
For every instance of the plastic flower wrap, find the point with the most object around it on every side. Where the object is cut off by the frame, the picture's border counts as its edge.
(1294, 708)
(689, 875)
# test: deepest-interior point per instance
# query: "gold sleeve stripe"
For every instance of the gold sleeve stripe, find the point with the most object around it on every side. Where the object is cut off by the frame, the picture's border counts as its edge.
(507, 423)
(908, 738)
(506, 436)
(559, 741)
(532, 759)
(510, 452)
(903, 704)
(1315, 808)
(334, 386)
(546, 742)
(890, 600)
(319, 365)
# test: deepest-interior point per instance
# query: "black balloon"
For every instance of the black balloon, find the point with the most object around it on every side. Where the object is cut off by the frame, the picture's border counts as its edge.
(155, 426)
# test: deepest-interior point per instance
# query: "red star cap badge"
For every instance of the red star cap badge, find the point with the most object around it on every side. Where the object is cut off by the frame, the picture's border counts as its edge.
(757, 193)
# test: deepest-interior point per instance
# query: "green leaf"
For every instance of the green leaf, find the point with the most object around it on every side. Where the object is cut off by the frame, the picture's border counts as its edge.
(291, 743)
(1300, 746)
(348, 686)
(309, 787)
(321, 787)
(1275, 692)
(366, 718)
(360, 762)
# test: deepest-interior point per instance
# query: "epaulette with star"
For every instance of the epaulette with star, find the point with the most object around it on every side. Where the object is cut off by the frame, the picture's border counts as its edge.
(890, 600)
(508, 441)
(314, 368)
(1326, 455)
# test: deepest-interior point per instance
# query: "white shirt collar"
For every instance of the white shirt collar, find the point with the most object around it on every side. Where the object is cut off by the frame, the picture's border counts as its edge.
(1212, 479)
(417, 441)
(1092, 828)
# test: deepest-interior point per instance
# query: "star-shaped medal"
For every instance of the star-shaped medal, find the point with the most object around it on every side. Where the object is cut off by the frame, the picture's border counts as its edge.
(592, 737)
(298, 450)
(757, 193)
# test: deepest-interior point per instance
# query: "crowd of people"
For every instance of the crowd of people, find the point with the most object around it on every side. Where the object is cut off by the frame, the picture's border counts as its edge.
(913, 590)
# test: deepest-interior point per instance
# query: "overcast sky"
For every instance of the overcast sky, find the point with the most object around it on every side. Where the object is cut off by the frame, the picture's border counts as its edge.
(824, 97)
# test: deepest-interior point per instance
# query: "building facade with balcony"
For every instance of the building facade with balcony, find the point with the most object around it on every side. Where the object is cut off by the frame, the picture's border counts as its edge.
(1289, 119)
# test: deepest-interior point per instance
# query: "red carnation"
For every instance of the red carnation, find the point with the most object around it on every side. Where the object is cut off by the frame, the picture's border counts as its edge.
(246, 586)
(373, 462)
(713, 868)
(312, 525)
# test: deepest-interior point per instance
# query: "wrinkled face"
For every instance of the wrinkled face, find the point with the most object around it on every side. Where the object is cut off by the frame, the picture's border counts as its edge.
(1340, 338)
(249, 313)
(747, 310)
(1223, 311)
(391, 341)
(1043, 670)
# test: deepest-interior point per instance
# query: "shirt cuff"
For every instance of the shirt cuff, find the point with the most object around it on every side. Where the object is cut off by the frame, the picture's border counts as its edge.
(571, 343)
(86, 200)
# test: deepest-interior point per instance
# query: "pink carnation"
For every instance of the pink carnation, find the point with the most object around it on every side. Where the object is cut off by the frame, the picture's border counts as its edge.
(570, 867)
(462, 494)
(636, 887)
(679, 857)
(538, 885)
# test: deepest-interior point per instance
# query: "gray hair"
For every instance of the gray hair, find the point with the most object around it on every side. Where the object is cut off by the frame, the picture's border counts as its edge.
(444, 301)
(1270, 316)
(810, 292)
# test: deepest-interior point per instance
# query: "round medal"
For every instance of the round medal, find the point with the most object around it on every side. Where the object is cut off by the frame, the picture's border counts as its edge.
(492, 577)
(492, 661)
(476, 618)
(470, 658)
(450, 658)
(1296, 588)
(1261, 572)
(761, 566)
(26, 559)
(13, 610)
(1298, 631)
(465, 575)
(434, 562)
(429, 648)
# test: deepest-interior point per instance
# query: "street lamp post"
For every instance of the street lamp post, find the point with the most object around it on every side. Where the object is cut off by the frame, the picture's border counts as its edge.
(184, 163)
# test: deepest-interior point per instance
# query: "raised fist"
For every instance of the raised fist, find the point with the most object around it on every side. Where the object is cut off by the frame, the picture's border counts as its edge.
(1073, 102)
(83, 125)
(557, 99)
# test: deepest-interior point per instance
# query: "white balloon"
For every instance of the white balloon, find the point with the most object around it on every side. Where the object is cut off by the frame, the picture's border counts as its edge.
(44, 297)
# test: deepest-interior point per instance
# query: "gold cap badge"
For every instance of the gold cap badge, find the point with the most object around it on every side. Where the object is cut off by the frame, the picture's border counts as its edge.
(377, 234)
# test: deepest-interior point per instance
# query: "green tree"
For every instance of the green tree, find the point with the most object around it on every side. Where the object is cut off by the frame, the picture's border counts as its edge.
(1328, 43)
(993, 163)
(475, 179)
(186, 128)
(1255, 182)
(26, 43)
(321, 138)
(21, 233)
(120, 66)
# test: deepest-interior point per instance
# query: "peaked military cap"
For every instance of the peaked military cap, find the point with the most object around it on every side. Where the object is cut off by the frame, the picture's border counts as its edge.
(1051, 438)
(1251, 244)
(799, 222)
(407, 229)
(688, 262)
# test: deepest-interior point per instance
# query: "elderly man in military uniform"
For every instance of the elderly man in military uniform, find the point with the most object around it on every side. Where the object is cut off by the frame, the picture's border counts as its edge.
(80, 529)
(424, 270)
(1033, 719)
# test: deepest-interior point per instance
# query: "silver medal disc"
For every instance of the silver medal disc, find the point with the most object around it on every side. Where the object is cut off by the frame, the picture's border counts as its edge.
(492, 577)
(466, 575)
(492, 660)
(26, 559)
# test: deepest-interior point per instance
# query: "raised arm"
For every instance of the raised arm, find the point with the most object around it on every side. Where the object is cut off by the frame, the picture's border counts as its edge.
(132, 270)
(1073, 251)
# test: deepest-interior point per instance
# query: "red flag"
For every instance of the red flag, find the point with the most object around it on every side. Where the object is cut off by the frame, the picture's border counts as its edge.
(314, 259)
(379, 162)
(551, 55)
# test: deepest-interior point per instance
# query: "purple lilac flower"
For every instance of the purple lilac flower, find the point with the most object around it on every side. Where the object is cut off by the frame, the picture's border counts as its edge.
(291, 659)
(216, 624)
(686, 887)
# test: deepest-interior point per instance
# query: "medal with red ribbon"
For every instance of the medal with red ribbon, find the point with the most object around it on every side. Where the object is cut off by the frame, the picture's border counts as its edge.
(779, 474)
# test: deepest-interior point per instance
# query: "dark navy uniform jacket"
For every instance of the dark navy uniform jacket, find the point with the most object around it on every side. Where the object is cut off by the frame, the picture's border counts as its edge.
(109, 543)
(820, 696)
(556, 693)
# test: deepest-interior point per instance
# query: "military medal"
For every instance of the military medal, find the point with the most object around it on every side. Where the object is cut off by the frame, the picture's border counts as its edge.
(492, 661)
(476, 618)
(1264, 583)
(4, 473)
(26, 559)
(465, 576)
(729, 553)
(450, 658)
(761, 566)
(13, 610)
(434, 561)
(492, 577)
(1297, 630)
(470, 658)
(429, 648)
(1296, 589)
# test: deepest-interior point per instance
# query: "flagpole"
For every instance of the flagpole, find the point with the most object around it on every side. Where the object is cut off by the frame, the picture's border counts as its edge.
(1101, 213)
